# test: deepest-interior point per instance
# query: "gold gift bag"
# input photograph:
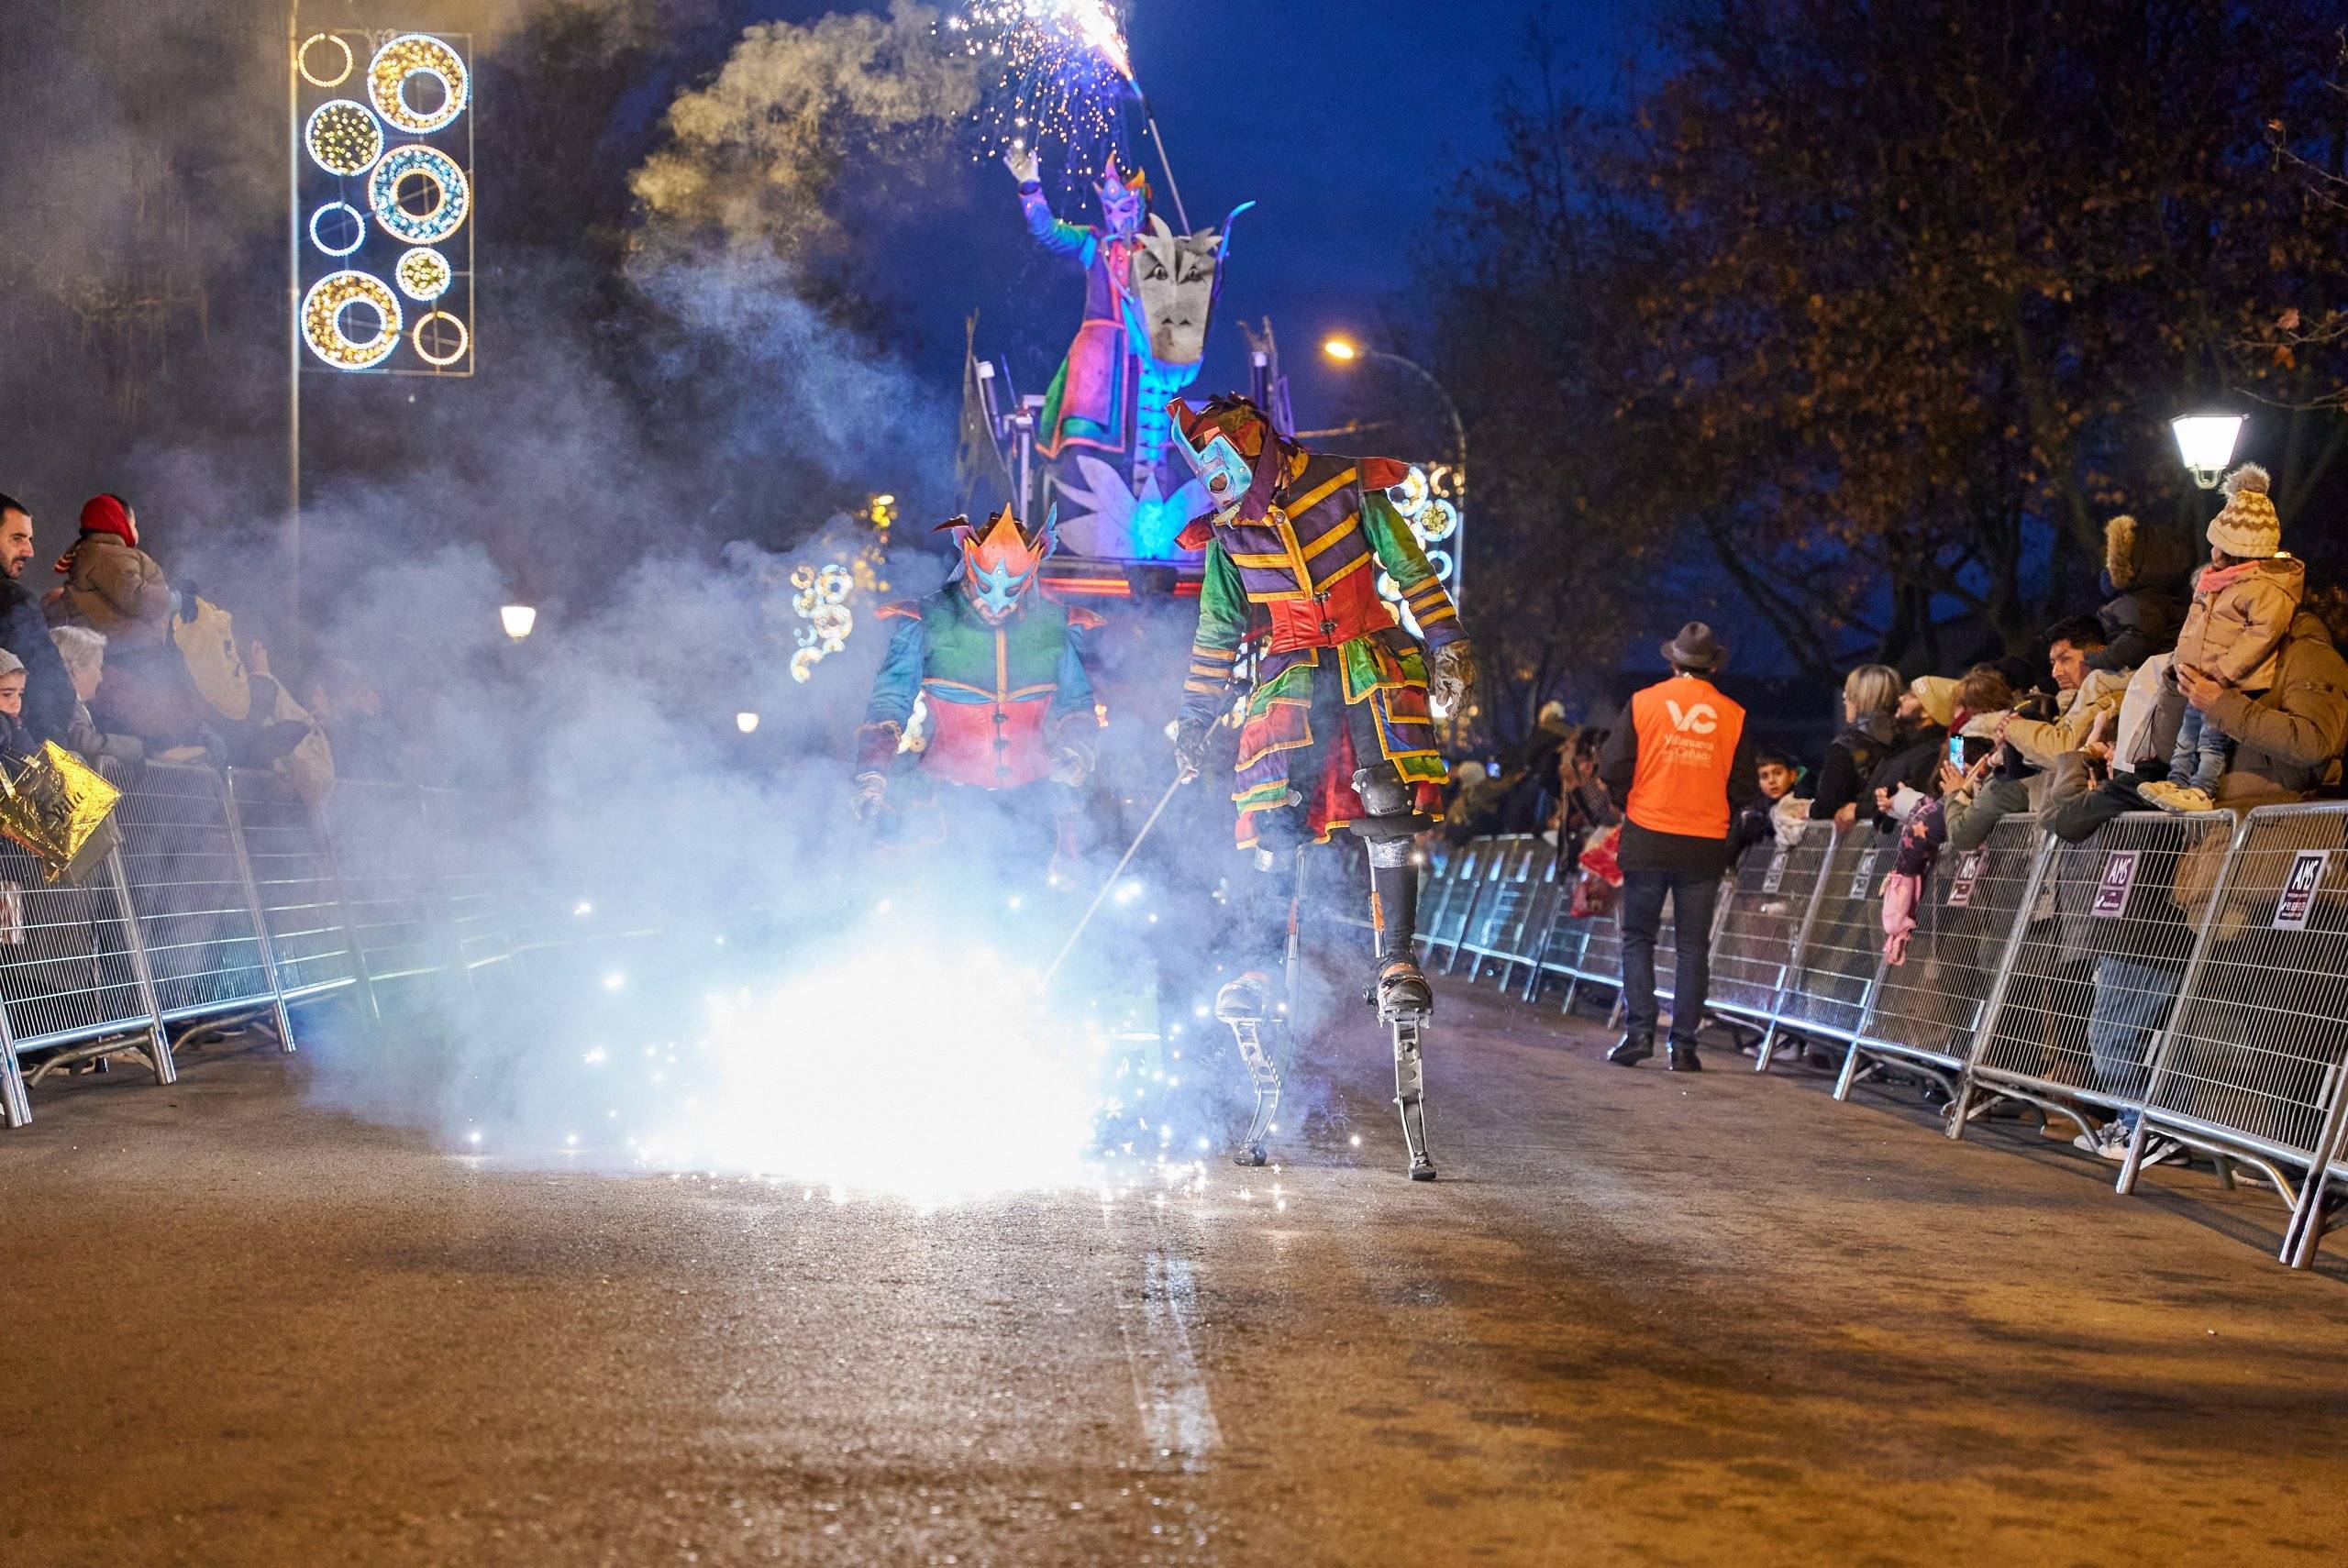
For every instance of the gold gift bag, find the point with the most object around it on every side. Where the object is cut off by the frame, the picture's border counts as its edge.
(56, 805)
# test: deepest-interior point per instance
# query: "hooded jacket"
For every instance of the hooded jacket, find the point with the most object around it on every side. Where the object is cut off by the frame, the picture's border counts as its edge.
(115, 587)
(2240, 616)
(2148, 572)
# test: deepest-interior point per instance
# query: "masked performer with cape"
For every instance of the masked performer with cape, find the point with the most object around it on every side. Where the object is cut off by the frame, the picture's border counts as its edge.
(1338, 731)
(1001, 672)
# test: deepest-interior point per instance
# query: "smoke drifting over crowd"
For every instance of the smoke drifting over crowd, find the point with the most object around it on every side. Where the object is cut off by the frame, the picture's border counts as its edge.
(683, 373)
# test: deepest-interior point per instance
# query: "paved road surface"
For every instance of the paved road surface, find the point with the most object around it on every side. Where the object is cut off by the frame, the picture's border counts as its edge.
(1644, 1320)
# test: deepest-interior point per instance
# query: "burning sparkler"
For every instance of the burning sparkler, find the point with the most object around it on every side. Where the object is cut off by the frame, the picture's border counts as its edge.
(1066, 69)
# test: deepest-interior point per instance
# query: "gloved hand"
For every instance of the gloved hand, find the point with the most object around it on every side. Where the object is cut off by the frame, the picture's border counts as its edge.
(1072, 766)
(1025, 166)
(871, 793)
(1190, 749)
(1453, 680)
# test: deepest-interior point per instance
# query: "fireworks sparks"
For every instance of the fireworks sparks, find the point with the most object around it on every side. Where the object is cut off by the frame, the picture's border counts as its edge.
(1064, 71)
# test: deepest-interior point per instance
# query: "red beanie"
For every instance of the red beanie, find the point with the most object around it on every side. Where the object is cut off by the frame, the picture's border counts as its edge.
(109, 515)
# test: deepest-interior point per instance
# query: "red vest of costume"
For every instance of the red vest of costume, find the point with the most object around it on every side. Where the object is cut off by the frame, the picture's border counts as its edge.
(1688, 734)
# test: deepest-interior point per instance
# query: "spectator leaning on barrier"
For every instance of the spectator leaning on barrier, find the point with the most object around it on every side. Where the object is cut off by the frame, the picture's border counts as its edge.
(1870, 708)
(84, 654)
(1777, 815)
(16, 742)
(2081, 694)
(116, 587)
(2243, 604)
(1680, 766)
(48, 694)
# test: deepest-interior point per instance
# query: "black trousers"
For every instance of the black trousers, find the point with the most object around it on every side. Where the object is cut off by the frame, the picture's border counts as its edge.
(1693, 898)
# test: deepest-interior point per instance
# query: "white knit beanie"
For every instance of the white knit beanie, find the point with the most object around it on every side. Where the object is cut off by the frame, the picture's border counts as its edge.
(2248, 527)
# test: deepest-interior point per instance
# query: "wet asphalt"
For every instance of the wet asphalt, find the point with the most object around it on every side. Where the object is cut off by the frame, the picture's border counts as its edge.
(1643, 1318)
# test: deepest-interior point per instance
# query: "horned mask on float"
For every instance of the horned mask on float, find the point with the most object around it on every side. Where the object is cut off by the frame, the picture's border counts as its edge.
(1123, 197)
(1231, 445)
(1001, 563)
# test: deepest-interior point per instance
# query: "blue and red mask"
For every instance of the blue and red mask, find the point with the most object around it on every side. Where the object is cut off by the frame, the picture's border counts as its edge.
(1001, 565)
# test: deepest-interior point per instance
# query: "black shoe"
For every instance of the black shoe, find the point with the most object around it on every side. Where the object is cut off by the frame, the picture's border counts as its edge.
(1631, 1050)
(1403, 992)
(1684, 1058)
(1247, 1000)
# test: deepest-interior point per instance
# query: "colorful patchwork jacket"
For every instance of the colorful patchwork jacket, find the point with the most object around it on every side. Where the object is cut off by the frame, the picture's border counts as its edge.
(1305, 579)
(1004, 700)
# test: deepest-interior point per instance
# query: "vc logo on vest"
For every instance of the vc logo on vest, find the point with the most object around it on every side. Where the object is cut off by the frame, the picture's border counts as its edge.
(1700, 720)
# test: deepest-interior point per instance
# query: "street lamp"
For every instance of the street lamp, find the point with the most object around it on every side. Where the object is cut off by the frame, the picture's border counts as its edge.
(2205, 442)
(746, 722)
(1346, 351)
(518, 619)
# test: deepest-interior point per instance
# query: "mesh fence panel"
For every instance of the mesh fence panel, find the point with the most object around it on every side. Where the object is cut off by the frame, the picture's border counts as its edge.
(178, 861)
(66, 969)
(1763, 920)
(294, 879)
(1837, 965)
(2254, 1056)
(1932, 1005)
(1497, 928)
(2101, 960)
(1445, 923)
(481, 885)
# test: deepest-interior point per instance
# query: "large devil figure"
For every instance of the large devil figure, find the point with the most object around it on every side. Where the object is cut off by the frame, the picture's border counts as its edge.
(1338, 731)
(1001, 670)
(1148, 296)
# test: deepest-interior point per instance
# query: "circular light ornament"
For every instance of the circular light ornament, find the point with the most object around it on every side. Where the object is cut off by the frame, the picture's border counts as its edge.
(402, 61)
(337, 228)
(330, 299)
(424, 274)
(332, 64)
(450, 196)
(804, 663)
(834, 583)
(441, 340)
(343, 138)
(1410, 495)
(1436, 522)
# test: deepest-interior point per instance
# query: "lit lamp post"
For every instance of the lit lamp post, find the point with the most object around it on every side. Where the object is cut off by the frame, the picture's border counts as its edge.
(1346, 351)
(2205, 442)
(747, 721)
(518, 620)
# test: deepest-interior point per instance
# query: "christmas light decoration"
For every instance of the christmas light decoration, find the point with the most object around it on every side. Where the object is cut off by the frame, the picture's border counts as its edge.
(424, 275)
(324, 308)
(451, 196)
(343, 138)
(337, 228)
(441, 340)
(334, 63)
(398, 63)
(1426, 498)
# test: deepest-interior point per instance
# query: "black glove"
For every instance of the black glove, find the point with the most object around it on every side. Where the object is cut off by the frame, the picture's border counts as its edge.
(1190, 749)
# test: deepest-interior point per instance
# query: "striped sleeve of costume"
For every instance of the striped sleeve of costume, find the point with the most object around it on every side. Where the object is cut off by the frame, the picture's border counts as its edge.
(1398, 551)
(1223, 625)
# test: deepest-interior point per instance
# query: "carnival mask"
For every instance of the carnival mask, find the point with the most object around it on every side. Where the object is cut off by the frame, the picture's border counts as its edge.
(1122, 197)
(1002, 564)
(1219, 464)
(1173, 291)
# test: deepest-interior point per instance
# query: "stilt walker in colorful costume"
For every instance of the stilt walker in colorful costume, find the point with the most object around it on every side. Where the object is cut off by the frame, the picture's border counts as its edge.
(1337, 733)
(1001, 672)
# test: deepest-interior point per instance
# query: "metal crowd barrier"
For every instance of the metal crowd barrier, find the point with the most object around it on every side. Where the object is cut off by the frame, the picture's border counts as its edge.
(228, 897)
(2187, 972)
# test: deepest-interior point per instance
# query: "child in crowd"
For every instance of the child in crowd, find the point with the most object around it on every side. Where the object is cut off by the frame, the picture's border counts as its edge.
(2243, 603)
(15, 741)
(1777, 814)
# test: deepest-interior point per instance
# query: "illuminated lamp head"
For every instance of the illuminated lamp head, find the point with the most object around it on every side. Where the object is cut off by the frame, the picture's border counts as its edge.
(1124, 198)
(1001, 563)
(1230, 446)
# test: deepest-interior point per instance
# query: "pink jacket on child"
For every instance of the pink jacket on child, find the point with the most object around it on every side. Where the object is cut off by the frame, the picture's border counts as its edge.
(2240, 613)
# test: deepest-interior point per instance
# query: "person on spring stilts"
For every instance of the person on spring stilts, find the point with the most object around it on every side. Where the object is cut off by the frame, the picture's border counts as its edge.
(1338, 731)
(1680, 766)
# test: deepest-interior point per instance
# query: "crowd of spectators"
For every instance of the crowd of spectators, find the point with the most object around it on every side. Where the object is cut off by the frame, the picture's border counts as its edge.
(112, 663)
(2202, 681)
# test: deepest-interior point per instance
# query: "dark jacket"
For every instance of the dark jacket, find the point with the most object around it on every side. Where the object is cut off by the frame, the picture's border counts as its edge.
(1914, 763)
(1645, 850)
(1851, 762)
(2148, 573)
(2288, 739)
(48, 691)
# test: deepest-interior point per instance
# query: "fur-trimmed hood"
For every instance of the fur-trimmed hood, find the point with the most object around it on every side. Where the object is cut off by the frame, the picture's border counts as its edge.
(2136, 556)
